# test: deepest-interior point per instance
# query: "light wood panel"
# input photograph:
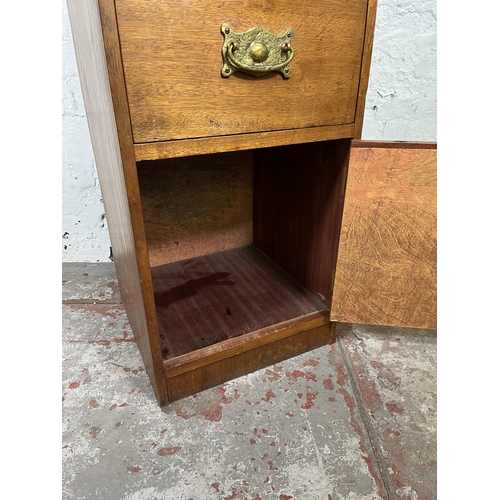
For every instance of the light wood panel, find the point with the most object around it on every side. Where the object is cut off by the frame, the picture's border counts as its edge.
(365, 67)
(109, 126)
(196, 206)
(239, 142)
(172, 60)
(386, 267)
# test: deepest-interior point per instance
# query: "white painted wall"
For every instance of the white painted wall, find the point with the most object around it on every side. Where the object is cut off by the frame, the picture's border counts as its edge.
(401, 105)
(401, 100)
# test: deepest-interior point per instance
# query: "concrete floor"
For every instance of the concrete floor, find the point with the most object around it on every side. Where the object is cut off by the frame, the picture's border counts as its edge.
(354, 420)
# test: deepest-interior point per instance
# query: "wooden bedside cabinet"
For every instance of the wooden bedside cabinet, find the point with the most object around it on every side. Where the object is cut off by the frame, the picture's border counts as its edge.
(222, 135)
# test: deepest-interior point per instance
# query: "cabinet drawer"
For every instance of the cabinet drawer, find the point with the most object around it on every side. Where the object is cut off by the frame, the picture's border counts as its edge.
(172, 61)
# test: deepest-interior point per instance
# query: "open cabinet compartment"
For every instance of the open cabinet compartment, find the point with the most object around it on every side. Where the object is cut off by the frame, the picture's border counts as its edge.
(242, 238)
(290, 140)
(242, 248)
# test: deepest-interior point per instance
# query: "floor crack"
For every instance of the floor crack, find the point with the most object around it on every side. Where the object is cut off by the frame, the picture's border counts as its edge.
(105, 302)
(365, 417)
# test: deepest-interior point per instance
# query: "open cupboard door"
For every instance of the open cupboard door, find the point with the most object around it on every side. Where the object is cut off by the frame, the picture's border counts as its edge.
(386, 267)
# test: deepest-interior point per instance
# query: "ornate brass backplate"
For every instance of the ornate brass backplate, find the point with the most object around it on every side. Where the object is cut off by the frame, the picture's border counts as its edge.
(256, 52)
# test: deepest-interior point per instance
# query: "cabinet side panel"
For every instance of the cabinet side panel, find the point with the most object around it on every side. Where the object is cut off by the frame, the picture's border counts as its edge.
(298, 202)
(386, 268)
(109, 156)
(365, 67)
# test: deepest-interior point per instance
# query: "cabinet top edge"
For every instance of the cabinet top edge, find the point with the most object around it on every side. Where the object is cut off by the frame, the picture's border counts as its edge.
(359, 143)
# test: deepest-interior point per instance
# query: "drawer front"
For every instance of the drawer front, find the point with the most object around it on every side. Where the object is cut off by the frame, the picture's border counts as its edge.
(172, 60)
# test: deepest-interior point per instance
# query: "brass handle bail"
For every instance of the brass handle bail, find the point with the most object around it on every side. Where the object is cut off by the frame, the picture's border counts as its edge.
(256, 52)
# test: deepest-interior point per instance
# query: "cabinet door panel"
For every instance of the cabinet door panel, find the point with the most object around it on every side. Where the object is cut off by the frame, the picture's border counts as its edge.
(386, 268)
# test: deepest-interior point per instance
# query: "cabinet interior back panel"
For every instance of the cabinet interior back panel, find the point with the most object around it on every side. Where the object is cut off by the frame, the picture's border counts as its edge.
(197, 205)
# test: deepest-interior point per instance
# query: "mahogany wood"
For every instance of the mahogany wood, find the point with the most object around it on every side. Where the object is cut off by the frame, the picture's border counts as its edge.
(212, 298)
(172, 59)
(196, 206)
(98, 58)
(393, 144)
(386, 269)
(231, 347)
(298, 202)
(228, 368)
(333, 332)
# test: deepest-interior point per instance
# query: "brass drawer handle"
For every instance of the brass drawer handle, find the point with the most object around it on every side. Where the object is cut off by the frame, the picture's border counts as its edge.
(256, 52)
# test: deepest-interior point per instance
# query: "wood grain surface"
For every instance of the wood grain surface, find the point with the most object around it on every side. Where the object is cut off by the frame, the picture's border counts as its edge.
(365, 67)
(240, 142)
(196, 206)
(386, 268)
(298, 202)
(394, 144)
(209, 299)
(172, 60)
(259, 356)
(234, 346)
(98, 58)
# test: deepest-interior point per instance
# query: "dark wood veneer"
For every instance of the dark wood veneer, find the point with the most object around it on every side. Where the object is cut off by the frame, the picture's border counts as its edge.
(298, 202)
(212, 298)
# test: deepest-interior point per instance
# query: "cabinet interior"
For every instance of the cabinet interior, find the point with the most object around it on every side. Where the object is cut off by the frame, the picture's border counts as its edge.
(241, 241)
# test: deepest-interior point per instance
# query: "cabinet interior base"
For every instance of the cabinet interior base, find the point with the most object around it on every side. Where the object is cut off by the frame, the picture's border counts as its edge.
(206, 300)
(229, 313)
